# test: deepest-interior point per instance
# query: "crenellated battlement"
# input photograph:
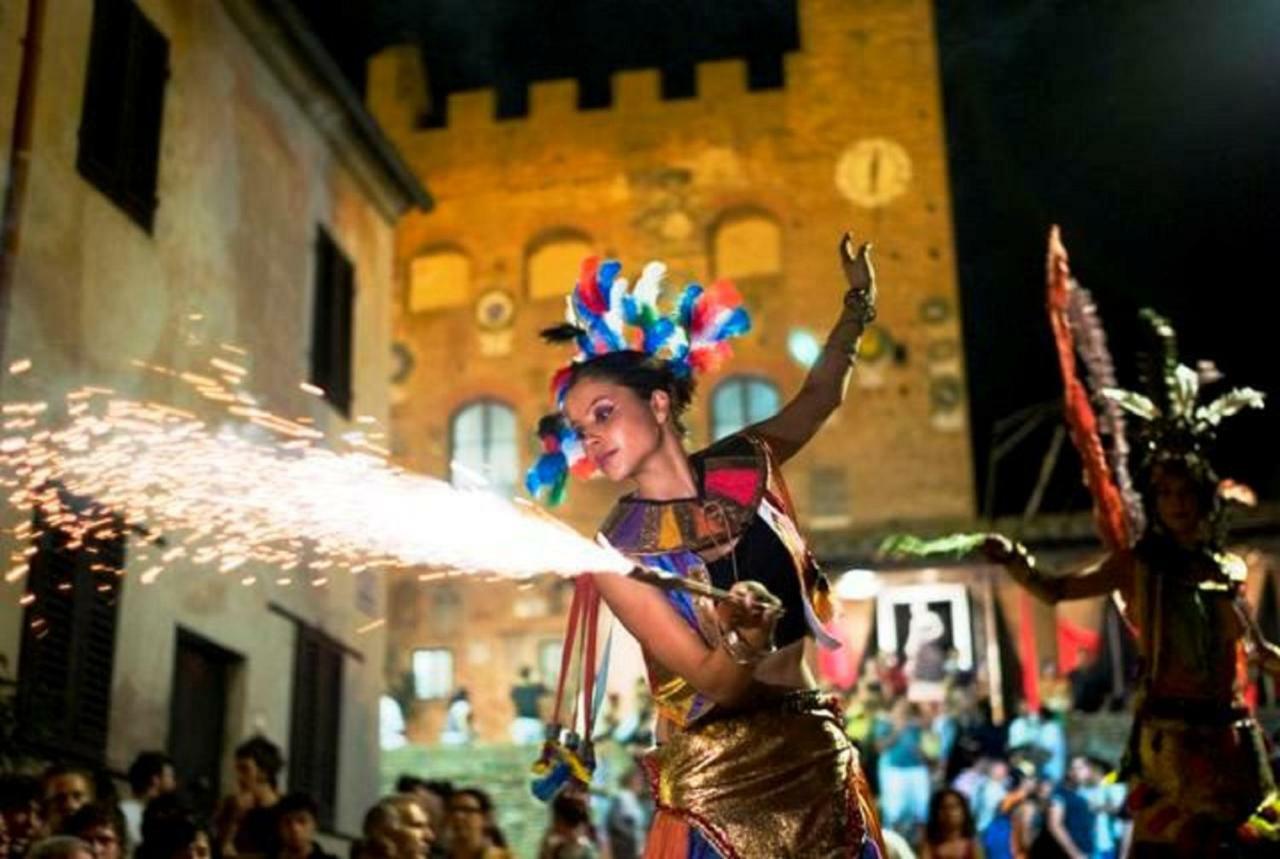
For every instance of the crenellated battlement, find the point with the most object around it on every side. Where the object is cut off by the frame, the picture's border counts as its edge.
(400, 106)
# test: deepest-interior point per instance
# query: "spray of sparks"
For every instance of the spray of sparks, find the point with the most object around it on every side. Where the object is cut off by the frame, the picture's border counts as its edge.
(254, 493)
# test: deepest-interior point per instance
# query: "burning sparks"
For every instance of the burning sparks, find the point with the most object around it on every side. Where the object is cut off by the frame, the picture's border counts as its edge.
(257, 494)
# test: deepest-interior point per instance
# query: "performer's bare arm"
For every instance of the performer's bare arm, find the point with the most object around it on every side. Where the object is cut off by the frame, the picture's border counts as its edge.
(1113, 573)
(646, 613)
(1262, 651)
(824, 388)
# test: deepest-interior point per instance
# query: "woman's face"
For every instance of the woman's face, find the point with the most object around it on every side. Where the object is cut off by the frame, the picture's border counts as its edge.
(951, 811)
(1176, 503)
(619, 428)
(466, 817)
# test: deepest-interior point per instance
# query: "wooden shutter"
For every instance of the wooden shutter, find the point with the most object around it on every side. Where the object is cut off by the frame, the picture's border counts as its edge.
(316, 720)
(68, 645)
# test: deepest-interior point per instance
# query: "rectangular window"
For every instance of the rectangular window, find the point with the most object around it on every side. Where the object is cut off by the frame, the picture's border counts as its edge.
(317, 719)
(332, 322)
(433, 673)
(69, 640)
(123, 110)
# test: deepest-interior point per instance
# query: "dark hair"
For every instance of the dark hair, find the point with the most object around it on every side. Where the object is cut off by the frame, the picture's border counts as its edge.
(97, 814)
(486, 804)
(296, 802)
(265, 754)
(410, 783)
(933, 833)
(145, 767)
(18, 791)
(442, 789)
(380, 816)
(168, 826)
(642, 373)
(570, 810)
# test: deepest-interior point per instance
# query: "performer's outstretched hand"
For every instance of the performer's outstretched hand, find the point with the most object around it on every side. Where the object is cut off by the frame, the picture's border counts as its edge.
(999, 549)
(752, 612)
(860, 275)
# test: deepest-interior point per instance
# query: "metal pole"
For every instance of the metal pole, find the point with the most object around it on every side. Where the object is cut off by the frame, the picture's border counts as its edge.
(15, 194)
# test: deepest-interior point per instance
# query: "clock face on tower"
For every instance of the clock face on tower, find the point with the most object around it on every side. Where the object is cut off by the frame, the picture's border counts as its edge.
(873, 172)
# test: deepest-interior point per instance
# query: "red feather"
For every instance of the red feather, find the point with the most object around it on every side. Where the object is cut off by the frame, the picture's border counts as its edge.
(589, 286)
(1108, 503)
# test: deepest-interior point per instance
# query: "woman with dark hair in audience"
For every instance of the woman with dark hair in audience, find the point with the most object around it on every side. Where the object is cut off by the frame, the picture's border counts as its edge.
(472, 831)
(948, 830)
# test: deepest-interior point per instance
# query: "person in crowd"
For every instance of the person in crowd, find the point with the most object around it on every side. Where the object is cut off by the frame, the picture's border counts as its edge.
(65, 789)
(296, 817)
(1106, 801)
(458, 720)
(903, 768)
(989, 792)
(471, 829)
(171, 831)
(570, 834)
(1069, 823)
(526, 700)
(1013, 830)
(949, 831)
(20, 812)
(102, 827)
(245, 820)
(628, 817)
(1039, 733)
(976, 734)
(150, 775)
(413, 820)
(60, 847)
(433, 797)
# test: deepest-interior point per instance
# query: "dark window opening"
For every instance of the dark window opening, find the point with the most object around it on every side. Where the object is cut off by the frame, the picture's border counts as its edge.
(123, 111)
(332, 323)
(316, 720)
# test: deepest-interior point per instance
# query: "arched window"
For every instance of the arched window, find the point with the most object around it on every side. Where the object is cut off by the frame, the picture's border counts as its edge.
(741, 401)
(553, 262)
(746, 245)
(439, 279)
(482, 447)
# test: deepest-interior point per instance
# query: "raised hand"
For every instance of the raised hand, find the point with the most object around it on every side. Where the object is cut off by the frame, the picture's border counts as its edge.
(860, 275)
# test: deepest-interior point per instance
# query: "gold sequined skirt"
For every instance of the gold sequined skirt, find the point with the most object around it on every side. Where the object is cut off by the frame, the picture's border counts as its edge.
(778, 781)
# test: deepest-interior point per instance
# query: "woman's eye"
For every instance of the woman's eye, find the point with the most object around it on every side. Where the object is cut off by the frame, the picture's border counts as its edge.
(603, 414)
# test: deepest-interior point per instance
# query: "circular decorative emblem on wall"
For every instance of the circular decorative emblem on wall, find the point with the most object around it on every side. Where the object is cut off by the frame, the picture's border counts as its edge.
(495, 310)
(873, 172)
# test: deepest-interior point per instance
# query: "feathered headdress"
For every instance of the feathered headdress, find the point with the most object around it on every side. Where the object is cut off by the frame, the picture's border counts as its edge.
(605, 314)
(1173, 425)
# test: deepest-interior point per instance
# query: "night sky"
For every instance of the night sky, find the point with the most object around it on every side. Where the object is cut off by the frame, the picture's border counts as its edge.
(1149, 130)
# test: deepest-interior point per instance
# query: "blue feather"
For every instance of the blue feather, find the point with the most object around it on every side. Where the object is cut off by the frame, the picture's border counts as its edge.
(687, 300)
